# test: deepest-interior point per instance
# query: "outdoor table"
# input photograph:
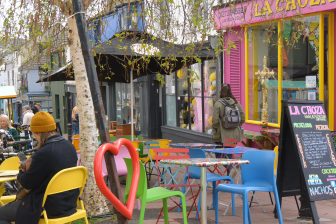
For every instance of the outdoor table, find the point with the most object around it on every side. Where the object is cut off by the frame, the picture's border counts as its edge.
(203, 163)
(5, 176)
(230, 151)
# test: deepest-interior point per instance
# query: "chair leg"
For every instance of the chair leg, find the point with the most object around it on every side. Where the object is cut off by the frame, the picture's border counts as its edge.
(142, 211)
(270, 197)
(233, 204)
(216, 205)
(251, 199)
(165, 210)
(198, 206)
(245, 208)
(277, 205)
(213, 193)
(184, 209)
(86, 220)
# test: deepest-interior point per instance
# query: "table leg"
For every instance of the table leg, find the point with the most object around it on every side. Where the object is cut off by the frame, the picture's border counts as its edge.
(203, 196)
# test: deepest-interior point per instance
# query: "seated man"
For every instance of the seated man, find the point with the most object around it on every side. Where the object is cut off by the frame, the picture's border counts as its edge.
(54, 154)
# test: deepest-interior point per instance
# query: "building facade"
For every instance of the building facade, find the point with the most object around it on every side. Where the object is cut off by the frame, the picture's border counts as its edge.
(294, 39)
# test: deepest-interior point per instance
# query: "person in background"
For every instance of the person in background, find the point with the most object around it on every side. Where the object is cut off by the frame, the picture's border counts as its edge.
(126, 112)
(75, 120)
(53, 155)
(27, 115)
(36, 108)
(6, 125)
(222, 134)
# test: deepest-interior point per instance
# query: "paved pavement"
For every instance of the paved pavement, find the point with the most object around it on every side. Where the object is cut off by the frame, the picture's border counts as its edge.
(261, 212)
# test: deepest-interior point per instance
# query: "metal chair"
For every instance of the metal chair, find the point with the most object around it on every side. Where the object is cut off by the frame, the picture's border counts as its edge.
(153, 194)
(65, 180)
(195, 173)
(11, 163)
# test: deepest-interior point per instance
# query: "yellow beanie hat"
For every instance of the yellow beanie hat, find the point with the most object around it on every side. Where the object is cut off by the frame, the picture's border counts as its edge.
(42, 122)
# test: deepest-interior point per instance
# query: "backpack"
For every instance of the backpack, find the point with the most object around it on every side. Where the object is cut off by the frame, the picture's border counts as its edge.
(232, 117)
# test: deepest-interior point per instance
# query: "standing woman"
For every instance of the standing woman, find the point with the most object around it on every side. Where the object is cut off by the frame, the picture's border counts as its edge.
(6, 125)
(227, 130)
(75, 120)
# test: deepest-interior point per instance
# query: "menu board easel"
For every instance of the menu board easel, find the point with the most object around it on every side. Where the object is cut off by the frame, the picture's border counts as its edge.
(307, 164)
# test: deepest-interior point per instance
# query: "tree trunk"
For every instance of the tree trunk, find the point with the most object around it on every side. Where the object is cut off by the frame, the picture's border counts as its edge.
(95, 202)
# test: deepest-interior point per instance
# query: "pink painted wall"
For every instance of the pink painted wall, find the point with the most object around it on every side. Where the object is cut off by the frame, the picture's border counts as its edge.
(255, 11)
(235, 35)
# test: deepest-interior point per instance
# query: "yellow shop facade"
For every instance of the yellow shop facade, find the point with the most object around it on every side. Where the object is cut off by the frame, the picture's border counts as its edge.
(294, 40)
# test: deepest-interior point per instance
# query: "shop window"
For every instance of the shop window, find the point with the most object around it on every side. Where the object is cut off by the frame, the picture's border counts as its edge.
(300, 59)
(189, 104)
(123, 103)
(183, 99)
(262, 90)
(170, 101)
(209, 93)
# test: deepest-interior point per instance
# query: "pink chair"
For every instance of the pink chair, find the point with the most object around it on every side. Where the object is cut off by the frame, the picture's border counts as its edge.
(120, 163)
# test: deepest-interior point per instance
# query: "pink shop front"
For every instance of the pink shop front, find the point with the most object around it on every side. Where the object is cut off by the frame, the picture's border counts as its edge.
(294, 39)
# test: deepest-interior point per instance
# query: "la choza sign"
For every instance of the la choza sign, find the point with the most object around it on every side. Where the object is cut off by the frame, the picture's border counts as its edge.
(237, 14)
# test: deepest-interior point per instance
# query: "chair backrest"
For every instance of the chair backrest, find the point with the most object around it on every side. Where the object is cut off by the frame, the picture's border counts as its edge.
(196, 153)
(66, 180)
(119, 160)
(113, 125)
(170, 153)
(149, 145)
(142, 185)
(164, 143)
(124, 129)
(165, 175)
(11, 163)
(260, 169)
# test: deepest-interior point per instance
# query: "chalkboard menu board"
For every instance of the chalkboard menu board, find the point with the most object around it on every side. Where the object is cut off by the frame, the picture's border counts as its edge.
(306, 151)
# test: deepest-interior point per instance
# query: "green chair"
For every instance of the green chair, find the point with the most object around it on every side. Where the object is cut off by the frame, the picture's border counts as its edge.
(153, 194)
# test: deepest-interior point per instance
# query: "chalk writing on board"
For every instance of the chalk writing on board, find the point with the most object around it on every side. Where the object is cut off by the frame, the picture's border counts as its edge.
(316, 149)
(332, 155)
(301, 150)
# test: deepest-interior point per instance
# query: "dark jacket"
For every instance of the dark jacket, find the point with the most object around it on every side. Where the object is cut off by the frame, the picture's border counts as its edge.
(56, 154)
(219, 132)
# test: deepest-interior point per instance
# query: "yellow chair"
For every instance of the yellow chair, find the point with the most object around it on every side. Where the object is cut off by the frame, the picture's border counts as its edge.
(65, 180)
(11, 163)
(276, 156)
(75, 141)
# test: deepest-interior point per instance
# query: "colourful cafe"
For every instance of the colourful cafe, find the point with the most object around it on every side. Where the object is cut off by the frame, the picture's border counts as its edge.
(277, 50)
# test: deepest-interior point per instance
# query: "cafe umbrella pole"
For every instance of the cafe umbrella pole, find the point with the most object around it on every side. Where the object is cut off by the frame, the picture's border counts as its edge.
(97, 101)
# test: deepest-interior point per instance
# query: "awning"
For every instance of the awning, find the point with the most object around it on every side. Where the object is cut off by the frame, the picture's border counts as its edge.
(139, 52)
(7, 92)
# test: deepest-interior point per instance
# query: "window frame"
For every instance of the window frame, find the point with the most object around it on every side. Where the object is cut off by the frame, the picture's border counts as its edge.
(322, 59)
(202, 96)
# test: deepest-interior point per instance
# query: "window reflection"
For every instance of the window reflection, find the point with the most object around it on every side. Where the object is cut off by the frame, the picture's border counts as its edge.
(263, 44)
(195, 98)
(300, 58)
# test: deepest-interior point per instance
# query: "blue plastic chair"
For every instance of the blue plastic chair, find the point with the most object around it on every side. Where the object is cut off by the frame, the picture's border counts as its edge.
(194, 172)
(257, 176)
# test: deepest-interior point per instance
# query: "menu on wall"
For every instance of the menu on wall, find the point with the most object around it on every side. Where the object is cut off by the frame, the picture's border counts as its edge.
(310, 132)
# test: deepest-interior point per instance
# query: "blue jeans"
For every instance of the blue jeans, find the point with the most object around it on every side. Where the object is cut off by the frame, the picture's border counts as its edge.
(8, 212)
(75, 128)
